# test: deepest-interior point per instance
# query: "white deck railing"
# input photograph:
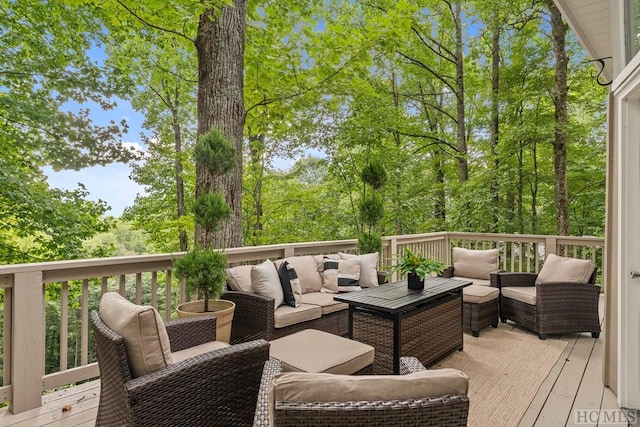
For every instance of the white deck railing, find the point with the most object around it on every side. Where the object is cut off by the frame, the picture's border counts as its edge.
(34, 295)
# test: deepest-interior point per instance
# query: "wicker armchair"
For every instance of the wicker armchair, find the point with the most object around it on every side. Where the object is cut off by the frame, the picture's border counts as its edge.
(450, 410)
(215, 388)
(559, 307)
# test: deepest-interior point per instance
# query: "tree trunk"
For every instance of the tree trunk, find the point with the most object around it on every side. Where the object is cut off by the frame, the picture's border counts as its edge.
(495, 116)
(534, 191)
(463, 171)
(177, 137)
(559, 32)
(256, 154)
(396, 138)
(220, 47)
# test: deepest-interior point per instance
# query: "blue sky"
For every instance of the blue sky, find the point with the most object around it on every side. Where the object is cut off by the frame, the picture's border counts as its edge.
(110, 183)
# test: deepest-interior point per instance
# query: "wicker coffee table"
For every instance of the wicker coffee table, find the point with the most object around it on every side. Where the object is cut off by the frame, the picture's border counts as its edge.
(398, 321)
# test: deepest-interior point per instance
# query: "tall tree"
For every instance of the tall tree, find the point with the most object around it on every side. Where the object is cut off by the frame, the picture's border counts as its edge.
(220, 48)
(559, 33)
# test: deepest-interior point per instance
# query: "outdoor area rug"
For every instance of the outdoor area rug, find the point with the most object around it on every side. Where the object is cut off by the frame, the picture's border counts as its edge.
(506, 366)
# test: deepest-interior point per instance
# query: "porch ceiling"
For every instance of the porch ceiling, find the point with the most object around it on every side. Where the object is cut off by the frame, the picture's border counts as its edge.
(590, 20)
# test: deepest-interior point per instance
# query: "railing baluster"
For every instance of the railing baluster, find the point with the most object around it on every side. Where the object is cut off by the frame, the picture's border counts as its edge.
(103, 286)
(84, 349)
(138, 288)
(154, 289)
(123, 288)
(64, 325)
(168, 293)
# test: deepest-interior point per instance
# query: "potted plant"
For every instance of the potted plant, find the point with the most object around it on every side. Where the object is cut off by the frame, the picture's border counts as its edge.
(417, 268)
(204, 268)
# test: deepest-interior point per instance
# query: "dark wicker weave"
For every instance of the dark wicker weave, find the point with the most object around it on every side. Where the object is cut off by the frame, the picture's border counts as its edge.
(254, 318)
(441, 411)
(477, 316)
(218, 388)
(560, 307)
(429, 335)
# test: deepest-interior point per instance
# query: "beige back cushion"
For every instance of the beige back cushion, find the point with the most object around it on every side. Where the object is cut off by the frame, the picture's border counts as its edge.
(368, 268)
(557, 269)
(307, 271)
(239, 278)
(266, 282)
(473, 263)
(322, 387)
(141, 327)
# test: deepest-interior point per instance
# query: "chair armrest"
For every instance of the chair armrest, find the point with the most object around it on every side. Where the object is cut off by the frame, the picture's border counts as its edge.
(185, 333)
(382, 276)
(567, 293)
(272, 367)
(227, 379)
(516, 279)
(448, 272)
(493, 278)
(253, 317)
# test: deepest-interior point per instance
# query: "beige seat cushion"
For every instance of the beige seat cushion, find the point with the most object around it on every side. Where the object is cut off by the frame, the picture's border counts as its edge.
(188, 353)
(324, 387)
(266, 282)
(478, 294)
(475, 263)
(557, 269)
(325, 301)
(239, 278)
(525, 294)
(368, 268)
(145, 336)
(286, 315)
(481, 282)
(318, 351)
(307, 271)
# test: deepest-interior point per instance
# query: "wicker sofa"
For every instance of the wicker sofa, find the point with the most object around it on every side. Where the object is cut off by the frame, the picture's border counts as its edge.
(422, 398)
(256, 316)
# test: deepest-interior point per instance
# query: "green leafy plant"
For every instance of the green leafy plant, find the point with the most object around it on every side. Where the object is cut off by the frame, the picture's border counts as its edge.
(204, 271)
(203, 268)
(417, 264)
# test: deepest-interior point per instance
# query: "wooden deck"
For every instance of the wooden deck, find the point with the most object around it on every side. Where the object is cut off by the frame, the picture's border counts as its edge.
(574, 383)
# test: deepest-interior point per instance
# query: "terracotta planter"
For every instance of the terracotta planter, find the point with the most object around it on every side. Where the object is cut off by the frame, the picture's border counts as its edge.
(414, 282)
(221, 309)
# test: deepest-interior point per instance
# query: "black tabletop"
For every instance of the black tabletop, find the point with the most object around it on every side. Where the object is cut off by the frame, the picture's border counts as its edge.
(397, 296)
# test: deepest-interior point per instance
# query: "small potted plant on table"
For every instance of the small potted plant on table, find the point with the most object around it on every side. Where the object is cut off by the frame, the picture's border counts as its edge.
(417, 268)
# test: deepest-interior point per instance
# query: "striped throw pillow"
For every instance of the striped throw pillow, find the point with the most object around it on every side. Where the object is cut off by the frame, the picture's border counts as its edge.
(341, 275)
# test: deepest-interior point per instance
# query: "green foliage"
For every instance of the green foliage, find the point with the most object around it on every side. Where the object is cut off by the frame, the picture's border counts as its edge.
(216, 152)
(374, 174)
(417, 264)
(210, 210)
(369, 243)
(204, 271)
(371, 210)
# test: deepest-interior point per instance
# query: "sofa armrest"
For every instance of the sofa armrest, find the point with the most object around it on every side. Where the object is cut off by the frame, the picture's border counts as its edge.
(382, 276)
(253, 317)
(493, 278)
(447, 273)
(186, 333)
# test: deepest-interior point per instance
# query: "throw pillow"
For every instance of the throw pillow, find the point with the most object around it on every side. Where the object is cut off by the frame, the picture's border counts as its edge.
(368, 268)
(341, 275)
(266, 282)
(475, 264)
(290, 284)
(141, 327)
(239, 278)
(558, 269)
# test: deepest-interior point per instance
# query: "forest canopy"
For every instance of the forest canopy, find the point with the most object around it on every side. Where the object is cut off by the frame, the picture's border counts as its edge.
(485, 115)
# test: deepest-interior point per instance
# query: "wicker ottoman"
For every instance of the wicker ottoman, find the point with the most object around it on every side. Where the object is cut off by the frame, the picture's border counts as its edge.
(479, 308)
(317, 351)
